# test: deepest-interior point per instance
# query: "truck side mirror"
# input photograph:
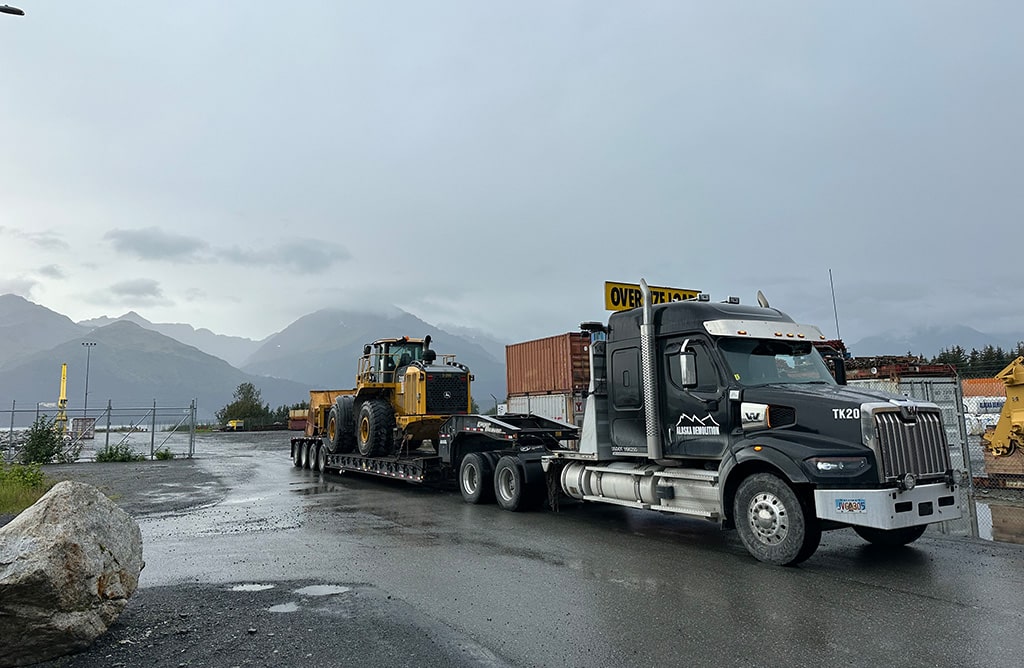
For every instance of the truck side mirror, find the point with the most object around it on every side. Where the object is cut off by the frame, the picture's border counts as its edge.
(688, 368)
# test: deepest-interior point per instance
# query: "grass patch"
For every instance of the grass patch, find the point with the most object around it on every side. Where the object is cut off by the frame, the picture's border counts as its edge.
(164, 454)
(21, 486)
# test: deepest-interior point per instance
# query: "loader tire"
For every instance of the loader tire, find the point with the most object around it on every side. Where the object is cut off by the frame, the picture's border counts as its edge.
(341, 428)
(376, 427)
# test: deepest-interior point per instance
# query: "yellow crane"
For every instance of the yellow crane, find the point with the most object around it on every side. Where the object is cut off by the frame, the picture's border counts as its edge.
(60, 422)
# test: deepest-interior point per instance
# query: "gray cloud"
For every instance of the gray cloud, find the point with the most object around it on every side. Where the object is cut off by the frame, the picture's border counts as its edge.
(19, 286)
(303, 256)
(52, 271)
(138, 288)
(44, 240)
(152, 243)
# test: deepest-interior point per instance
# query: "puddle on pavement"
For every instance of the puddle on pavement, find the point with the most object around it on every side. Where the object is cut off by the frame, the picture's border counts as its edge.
(312, 590)
(284, 607)
(322, 590)
(252, 587)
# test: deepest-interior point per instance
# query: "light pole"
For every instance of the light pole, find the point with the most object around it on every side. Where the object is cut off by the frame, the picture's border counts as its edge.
(88, 353)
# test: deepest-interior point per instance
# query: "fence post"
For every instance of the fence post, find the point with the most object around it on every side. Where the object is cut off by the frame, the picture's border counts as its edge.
(965, 452)
(110, 409)
(192, 429)
(10, 434)
(152, 434)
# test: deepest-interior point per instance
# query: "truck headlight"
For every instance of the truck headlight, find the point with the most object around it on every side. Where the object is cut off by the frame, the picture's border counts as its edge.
(839, 466)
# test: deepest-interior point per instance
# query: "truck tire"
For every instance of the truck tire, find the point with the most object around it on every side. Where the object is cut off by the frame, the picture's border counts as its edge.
(305, 454)
(891, 537)
(375, 431)
(772, 521)
(476, 479)
(321, 458)
(341, 427)
(510, 488)
(297, 455)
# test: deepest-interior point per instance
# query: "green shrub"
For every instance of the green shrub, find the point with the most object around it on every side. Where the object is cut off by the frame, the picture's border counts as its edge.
(164, 454)
(44, 442)
(121, 452)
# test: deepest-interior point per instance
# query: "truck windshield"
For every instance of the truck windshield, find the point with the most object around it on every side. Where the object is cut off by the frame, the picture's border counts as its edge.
(762, 362)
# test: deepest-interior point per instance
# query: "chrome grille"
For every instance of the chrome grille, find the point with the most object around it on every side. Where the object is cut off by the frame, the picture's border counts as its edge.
(915, 446)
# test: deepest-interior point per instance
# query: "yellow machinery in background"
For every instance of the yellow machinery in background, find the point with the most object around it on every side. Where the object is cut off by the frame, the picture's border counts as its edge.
(60, 422)
(1008, 436)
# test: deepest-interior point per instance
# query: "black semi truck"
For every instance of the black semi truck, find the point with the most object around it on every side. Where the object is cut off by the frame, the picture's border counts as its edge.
(720, 411)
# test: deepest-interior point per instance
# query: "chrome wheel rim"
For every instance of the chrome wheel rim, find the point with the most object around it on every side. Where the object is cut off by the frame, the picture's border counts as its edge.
(768, 518)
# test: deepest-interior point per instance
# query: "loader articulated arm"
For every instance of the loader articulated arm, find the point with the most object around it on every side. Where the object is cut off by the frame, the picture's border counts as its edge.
(1008, 435)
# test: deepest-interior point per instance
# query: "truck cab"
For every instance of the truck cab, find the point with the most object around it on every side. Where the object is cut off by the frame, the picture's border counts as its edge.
(728, 412)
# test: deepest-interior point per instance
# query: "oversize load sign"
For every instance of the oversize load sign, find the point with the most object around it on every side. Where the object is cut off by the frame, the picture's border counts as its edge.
(624, 296)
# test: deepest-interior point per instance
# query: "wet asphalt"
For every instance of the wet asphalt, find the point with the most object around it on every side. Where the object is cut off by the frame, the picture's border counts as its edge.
(250, 561)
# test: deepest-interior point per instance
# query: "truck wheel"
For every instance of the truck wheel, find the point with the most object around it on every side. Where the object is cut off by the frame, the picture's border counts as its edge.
(297, 455)
(891, 537)
(476, 480)
(341, 426)
(774, 525)
(305, 455)
(375, 432)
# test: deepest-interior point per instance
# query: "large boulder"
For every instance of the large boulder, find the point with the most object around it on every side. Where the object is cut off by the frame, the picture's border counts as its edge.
(68, 565)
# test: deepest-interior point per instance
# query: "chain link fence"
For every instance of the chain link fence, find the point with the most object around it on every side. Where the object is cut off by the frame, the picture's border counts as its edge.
(992, 493)
(146, 431)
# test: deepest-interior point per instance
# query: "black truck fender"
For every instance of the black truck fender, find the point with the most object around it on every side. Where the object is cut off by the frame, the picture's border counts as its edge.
(763, 455)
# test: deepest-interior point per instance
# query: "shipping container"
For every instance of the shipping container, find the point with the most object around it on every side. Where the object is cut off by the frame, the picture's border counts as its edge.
(564, 407)
(556, 364)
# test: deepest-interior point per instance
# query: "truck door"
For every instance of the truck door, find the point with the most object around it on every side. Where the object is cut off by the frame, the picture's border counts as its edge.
(695, 419)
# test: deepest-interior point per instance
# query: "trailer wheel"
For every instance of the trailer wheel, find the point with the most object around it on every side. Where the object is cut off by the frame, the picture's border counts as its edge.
(376, 427)
(297, 454)
(476, 480)
(321, 459)
(773, 523)
(305, 455)
(510, 488)
(891, 537)
(341, 426)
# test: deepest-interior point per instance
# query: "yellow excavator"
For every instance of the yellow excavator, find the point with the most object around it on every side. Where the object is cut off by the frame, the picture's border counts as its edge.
(1008, 435)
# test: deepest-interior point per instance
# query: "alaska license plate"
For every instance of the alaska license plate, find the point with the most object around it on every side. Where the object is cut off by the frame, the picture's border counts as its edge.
(851, 506)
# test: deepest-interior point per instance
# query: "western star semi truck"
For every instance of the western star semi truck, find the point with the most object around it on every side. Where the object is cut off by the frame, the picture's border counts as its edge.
(719, 411)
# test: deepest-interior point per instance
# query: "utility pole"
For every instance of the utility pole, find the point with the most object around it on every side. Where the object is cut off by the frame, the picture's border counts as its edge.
(88, 353)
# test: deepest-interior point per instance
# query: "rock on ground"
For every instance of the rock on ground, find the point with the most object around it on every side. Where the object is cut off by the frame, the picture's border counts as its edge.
(68, 565)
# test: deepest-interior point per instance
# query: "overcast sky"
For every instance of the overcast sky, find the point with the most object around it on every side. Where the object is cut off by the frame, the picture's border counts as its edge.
(236, 165)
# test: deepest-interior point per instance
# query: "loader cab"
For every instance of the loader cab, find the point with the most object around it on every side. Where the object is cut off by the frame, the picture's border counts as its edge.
(384, 357)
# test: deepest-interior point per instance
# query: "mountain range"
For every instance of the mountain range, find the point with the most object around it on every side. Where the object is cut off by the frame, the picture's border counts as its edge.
(136, 362)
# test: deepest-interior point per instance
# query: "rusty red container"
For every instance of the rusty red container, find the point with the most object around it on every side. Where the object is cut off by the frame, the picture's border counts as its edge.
(553, 364)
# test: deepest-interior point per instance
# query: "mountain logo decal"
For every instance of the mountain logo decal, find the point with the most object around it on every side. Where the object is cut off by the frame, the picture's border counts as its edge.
(691, 425)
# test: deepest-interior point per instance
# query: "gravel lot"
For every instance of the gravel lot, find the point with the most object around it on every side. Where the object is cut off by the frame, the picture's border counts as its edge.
(242, 625)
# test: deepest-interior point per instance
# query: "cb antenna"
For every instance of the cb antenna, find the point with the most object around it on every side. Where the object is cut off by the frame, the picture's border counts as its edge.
(834, 309)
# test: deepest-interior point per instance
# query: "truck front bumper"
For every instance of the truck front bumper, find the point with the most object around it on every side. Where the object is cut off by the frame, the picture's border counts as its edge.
(889, 508)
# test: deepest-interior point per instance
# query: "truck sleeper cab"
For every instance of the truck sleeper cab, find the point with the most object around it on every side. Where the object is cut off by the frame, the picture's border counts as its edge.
(728, 412)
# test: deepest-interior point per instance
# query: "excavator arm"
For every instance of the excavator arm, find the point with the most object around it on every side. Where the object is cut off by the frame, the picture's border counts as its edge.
(1008, 434)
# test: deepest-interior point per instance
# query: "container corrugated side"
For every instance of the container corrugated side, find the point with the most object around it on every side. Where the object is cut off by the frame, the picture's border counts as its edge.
(558, 363)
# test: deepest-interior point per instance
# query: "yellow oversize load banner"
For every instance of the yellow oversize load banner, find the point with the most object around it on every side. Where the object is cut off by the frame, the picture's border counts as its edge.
(624, 296)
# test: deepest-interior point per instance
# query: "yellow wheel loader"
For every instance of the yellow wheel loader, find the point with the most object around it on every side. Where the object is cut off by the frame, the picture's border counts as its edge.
(403, 394)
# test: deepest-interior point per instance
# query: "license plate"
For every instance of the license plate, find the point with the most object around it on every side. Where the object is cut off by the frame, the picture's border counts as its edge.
(851, 506)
